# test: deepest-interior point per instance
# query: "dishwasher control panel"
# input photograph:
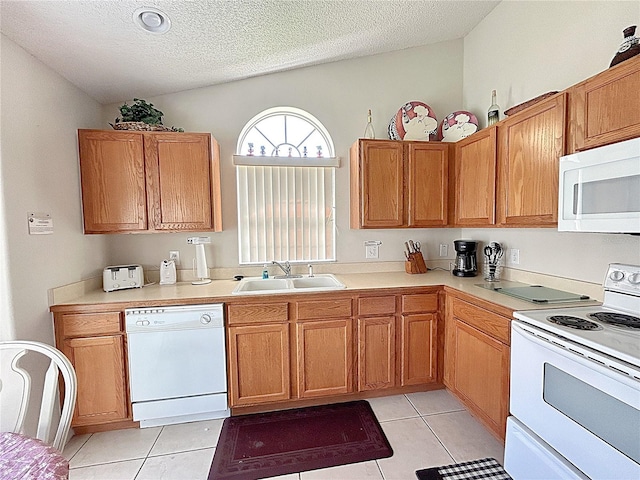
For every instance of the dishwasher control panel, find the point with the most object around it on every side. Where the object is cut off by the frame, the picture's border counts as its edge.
(174, 318)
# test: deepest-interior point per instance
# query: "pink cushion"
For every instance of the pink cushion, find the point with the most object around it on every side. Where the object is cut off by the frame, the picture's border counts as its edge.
(29, 458)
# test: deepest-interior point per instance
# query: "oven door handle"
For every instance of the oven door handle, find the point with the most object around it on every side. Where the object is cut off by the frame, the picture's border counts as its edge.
(578, 353)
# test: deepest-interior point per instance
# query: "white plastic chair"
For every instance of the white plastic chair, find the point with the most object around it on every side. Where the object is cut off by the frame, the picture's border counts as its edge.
(16, 386)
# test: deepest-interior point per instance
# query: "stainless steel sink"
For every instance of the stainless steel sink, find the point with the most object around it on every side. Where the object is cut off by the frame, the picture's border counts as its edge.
(317, 283)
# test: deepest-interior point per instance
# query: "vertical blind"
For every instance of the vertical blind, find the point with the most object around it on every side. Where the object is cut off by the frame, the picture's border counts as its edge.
(285, 213)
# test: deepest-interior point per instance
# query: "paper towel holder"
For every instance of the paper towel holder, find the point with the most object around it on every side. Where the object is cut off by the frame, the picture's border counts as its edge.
(201, 270)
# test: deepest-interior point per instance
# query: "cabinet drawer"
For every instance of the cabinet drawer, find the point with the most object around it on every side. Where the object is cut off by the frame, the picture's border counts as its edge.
(339, 308)
(377, 305)
(258, 313)
(84, 324)
(420, 302)
(487, 322)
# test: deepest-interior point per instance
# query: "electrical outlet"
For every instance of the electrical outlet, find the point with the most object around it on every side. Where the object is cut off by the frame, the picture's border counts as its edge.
(371, 251)
(175, 256)
(444, 249)
(514, 256)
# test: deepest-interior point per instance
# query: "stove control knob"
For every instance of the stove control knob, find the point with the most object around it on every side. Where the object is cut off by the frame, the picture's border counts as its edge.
(634, 279)
(205, 319)
(616, 275)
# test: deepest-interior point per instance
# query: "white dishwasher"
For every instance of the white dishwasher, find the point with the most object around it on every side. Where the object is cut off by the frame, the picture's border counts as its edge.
(177, 363)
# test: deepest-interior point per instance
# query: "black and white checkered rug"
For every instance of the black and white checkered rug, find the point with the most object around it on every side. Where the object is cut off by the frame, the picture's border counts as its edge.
(485, 468)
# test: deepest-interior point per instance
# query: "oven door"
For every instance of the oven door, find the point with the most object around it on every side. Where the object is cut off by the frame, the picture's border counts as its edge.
(587, 412)
(598, 189)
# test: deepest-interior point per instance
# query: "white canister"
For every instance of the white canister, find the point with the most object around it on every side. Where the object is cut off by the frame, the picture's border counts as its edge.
(167, 272)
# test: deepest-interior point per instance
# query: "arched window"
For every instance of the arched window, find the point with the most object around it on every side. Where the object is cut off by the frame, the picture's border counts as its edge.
(285, 171)
(285, 132)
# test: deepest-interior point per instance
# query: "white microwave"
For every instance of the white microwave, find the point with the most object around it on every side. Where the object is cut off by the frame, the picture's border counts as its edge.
(600, 189)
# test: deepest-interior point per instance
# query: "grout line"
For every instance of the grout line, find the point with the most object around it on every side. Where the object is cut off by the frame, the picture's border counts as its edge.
(147, 456)
(380, 470)
(179, 451)
(411, 403)
(438, 438)
(80, 448)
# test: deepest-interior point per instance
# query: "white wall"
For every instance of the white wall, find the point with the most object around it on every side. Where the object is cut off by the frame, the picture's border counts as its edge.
(40, 114)
(523, 49)
(338, 94)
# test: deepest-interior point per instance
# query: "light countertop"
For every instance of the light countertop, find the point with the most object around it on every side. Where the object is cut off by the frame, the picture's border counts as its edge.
(221, 290)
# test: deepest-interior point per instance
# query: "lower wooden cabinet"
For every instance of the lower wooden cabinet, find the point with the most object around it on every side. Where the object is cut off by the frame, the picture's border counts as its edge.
(324, 357)
(477, 361)
(376, 342)
(481, 363)
(259, 359)
(397, 340)
(418, 349)
(376, 353)
(102, 388)
(95, 345)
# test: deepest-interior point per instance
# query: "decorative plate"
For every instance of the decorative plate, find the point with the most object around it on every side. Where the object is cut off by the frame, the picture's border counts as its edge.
(457, 125)
(414, 121)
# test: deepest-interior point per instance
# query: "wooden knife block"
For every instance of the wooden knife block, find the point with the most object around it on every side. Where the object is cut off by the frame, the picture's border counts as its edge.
(415, 264)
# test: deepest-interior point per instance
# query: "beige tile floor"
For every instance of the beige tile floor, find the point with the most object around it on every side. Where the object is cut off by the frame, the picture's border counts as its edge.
(425, 429)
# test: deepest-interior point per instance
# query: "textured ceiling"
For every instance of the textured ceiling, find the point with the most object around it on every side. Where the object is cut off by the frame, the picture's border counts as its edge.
(97, 46)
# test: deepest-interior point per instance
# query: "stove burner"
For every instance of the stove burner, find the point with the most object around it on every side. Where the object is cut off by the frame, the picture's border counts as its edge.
(617, 319)
(574, 322)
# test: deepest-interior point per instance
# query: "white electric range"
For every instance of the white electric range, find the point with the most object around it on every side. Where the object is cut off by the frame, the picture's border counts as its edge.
(575, 387)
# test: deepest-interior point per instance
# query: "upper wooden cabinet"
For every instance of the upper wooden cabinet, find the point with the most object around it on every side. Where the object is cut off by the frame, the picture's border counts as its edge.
(151, 181)
(530, 145)
(473, 191)
(399, 184)
(605, 108)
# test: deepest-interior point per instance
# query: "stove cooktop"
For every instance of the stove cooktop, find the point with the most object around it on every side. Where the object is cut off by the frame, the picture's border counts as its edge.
(582, 326)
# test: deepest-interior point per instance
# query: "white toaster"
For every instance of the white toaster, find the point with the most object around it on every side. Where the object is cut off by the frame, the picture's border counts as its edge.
(119, 277)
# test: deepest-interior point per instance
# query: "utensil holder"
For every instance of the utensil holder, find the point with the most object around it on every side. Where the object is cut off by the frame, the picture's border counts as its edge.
(415, 263)
(492, 271)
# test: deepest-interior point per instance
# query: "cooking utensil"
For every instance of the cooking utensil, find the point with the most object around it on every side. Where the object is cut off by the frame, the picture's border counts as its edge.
(494, 253)
(413, 246)
(417, 246)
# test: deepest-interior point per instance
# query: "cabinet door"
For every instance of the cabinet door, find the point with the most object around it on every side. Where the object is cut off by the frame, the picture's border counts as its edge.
(324, 357)
(259, 364)
(418, 349)
(102, 382)
(482, 374)
(382, 184)
(530, 146)
(376, 353)
(606, 108)
(474, 190)
(113, 181)
(179, 181)
(428, 170)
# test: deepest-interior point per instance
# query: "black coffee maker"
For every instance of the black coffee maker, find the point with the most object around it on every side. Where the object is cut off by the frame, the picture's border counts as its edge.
(465, 264)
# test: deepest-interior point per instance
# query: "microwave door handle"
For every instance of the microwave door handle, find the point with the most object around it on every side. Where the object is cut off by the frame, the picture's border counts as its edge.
(629, 376)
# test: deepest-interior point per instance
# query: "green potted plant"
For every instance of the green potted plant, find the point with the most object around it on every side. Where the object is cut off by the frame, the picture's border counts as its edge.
(141, 116)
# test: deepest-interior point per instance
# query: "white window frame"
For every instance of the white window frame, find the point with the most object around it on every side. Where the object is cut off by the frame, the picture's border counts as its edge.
(299, 190)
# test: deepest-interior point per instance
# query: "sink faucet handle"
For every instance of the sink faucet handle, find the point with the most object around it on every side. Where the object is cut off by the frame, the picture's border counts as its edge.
(286, 268)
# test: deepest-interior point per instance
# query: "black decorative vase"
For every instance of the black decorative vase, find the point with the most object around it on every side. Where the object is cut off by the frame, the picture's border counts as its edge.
(630, 47)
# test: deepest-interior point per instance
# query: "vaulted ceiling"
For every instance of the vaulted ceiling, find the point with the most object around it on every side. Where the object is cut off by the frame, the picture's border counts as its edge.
(98, 46)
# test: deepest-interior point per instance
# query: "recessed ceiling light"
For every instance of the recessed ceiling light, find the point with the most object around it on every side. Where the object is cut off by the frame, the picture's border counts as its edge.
(152, 20)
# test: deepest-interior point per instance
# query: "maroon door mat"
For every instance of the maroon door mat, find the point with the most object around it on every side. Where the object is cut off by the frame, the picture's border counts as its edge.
(297, 440)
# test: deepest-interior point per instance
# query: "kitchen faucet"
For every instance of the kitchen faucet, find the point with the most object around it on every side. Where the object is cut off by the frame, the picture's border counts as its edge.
(286, 268)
